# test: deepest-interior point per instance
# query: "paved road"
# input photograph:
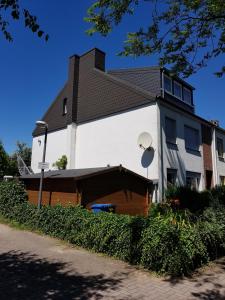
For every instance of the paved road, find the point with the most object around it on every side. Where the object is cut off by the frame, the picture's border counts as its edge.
(39, 267)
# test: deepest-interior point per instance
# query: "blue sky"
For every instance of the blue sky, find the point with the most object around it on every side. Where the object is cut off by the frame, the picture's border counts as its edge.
(32, 71)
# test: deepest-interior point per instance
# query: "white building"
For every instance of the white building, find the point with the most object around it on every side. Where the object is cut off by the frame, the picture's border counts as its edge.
(97, 117)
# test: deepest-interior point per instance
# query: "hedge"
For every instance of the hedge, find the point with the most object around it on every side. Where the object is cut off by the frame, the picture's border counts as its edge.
(167, 242)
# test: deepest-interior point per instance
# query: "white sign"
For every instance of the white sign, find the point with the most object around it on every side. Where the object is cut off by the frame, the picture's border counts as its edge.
(44, 165)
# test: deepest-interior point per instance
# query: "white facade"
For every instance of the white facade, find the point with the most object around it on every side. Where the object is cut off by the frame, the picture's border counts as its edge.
(113, 141)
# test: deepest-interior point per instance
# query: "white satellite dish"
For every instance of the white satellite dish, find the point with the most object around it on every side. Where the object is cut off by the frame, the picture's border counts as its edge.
(145, 140)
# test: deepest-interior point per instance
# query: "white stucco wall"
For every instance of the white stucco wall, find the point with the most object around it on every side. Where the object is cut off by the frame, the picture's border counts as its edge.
(178, 157)
(220, 165)
(57, 144)
(113, 140)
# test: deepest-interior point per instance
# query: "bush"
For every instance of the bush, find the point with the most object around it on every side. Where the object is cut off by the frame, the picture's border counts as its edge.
(186, 198)
(218, 195)
(172, 245)
(211, 227)
(167, 241)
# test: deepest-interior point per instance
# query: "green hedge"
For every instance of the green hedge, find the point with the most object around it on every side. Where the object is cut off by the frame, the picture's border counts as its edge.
(167, 242)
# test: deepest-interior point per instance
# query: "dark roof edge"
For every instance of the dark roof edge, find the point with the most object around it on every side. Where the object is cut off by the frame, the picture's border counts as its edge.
(51, 105)
(144, 69)
(119, 168)
(50, 131)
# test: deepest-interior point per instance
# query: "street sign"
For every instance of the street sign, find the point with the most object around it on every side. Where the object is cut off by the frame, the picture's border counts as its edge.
(43, 166)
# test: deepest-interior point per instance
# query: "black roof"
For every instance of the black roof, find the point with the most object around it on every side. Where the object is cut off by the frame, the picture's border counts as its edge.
(79, 174)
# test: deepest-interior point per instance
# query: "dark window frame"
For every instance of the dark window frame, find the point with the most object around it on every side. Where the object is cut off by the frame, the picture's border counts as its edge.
(174, 139)
(173, 172)
(188, 147)
(218, 139)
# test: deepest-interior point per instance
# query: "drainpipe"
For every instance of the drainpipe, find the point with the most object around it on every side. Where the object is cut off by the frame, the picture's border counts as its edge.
(214, 157)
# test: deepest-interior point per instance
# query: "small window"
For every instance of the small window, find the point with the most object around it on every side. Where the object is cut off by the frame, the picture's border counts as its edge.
(220, 147)
(187, 95)
(167, 84)
(191, 136)
(193, 180)
(171, 177)
(222, 180)
(177, 90)
(65, 106)
(170, 130)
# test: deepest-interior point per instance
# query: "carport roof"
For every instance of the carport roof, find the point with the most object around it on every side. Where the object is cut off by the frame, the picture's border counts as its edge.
(82, 173)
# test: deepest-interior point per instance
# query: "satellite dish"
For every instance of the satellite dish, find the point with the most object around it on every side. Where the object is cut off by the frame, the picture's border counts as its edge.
(145, 140)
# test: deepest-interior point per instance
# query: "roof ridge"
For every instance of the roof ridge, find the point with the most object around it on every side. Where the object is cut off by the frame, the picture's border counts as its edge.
(128, 85)
(134, 69)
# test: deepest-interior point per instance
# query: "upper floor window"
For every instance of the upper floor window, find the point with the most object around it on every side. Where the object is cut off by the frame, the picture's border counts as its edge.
(170, 130)
(65, 106)
(219, 147)
(168, 84)
(187, 96)
(191, 136)
(177, 90)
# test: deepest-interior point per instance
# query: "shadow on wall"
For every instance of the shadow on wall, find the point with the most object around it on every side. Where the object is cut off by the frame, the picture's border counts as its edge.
(147, 158)
(25, 276)
(175, 161)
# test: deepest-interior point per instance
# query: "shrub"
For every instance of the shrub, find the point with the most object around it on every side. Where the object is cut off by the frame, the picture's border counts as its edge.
(167, 241)
(188, 198)
(218, 195)
(170, 244)
(211, 227)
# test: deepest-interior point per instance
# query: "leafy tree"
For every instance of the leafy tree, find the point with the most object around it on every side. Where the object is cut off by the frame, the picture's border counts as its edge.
(24, 152)
(61, 163)
(186, 33)
(4, 161)
(12, 9)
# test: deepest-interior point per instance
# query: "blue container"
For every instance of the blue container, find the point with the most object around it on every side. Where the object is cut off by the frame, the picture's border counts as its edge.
(96, 208)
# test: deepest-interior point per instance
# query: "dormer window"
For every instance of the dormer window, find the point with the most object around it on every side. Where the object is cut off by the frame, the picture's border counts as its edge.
(187, 96)
(65, 106)
(168, 84)
(177, 89)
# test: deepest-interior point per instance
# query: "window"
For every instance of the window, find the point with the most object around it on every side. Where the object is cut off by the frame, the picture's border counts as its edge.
(177, 90)
(193, 180)
(191, 136)
(222, 180)
(219, 147)
(170, 130)
(187, 97)
(167, 84)
(65, 106)
(171, 177)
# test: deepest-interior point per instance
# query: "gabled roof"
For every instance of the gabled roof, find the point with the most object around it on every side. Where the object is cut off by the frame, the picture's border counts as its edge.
(79, 174)
(92, 93)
